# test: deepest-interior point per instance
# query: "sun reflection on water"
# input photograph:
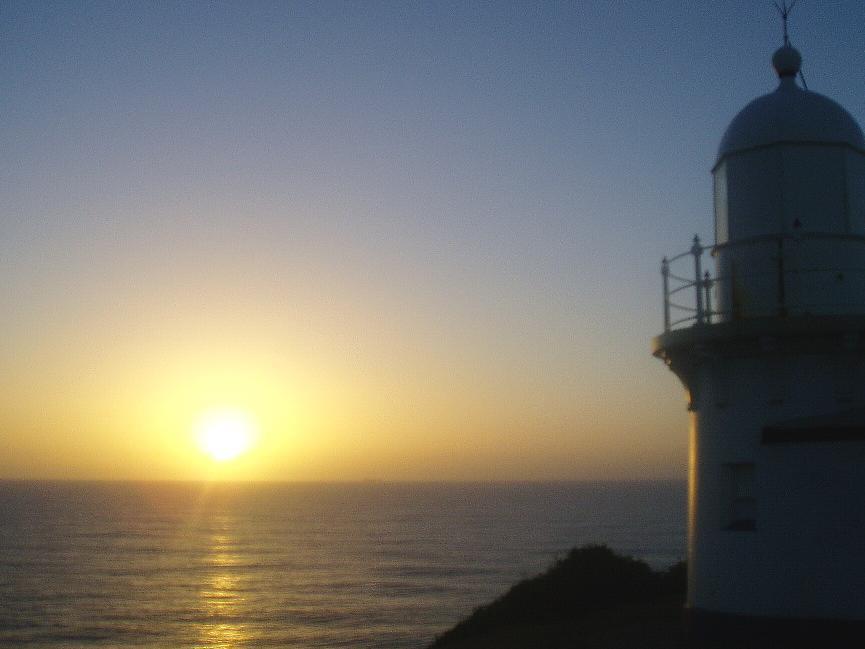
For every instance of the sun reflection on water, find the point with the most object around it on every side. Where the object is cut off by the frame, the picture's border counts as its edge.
(221, 599)
(221, 636)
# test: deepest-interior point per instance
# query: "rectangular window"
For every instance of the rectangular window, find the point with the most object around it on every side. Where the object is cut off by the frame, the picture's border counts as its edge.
(740, 507)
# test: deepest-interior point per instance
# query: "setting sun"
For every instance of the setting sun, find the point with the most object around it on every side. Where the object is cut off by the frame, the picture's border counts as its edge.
(225, 434)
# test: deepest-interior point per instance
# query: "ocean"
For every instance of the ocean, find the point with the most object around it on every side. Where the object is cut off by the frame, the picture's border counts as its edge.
(361, 565)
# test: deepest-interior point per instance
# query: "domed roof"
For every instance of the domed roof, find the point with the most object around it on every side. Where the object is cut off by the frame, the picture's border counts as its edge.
(790, 114)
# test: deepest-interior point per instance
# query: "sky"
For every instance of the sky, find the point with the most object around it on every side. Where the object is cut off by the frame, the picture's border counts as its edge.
(410, 241)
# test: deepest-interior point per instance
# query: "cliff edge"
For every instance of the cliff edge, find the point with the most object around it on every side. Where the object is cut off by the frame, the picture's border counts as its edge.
(591, 599)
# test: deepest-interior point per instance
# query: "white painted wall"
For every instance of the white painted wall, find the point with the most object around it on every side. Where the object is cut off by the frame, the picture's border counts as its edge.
(805, 558)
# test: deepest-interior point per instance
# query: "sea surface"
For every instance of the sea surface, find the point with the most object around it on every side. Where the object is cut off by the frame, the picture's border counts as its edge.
(366, 565)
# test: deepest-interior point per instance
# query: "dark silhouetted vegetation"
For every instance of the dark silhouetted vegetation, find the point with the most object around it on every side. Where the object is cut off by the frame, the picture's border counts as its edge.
(591, 598)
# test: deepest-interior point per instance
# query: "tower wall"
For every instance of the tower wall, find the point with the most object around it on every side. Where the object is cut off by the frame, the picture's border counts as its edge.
(776, 527)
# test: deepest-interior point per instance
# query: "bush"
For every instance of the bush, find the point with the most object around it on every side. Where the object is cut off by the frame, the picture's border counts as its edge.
(589, 579)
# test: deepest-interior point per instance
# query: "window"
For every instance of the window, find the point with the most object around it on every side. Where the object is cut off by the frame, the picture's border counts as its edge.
(740, 506)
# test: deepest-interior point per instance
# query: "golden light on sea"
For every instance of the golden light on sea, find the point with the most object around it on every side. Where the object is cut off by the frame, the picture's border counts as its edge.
(226, 434)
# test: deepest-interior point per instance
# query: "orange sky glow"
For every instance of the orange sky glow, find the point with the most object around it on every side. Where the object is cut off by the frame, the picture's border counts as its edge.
(411, 242)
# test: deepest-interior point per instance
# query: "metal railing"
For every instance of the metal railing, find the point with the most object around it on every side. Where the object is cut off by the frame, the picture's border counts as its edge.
(697, 291)
(688, 299)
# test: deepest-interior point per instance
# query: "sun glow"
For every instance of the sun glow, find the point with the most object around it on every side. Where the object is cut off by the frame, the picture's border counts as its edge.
(225, 434)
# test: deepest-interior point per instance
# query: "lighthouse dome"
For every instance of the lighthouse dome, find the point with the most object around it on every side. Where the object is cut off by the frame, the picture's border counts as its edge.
(791, 162)
(789, 187)
(790, 114)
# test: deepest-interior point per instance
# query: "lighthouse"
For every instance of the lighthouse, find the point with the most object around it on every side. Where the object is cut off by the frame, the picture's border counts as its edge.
(766, 330)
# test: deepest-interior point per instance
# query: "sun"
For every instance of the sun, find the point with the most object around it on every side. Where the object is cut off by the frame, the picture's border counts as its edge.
(225, 434)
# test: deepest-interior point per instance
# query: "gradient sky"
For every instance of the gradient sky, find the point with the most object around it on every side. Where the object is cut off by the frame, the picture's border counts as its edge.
(413, 240)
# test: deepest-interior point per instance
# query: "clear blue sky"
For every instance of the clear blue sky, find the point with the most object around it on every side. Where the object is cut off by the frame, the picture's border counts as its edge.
(445, 213)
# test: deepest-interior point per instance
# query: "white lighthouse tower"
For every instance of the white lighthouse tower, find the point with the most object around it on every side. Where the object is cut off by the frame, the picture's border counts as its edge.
(771, 351)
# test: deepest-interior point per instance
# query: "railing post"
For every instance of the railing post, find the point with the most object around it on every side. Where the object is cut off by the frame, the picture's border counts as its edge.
(665, 275)
(707, 286)
(697, 251)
